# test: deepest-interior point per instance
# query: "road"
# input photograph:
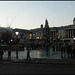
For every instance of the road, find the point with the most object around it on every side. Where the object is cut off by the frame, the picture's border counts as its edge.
(27, 68)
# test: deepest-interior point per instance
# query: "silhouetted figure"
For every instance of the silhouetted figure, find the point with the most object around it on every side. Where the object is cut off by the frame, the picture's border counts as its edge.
(1, 55)
(47, 53)
(62, 51)
(9, 55)
(73, 52)
(69, 49)
(47, 46)
(53, 48)
(28, 55)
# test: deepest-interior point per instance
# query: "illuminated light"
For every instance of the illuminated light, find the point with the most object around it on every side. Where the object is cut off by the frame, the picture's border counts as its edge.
(30, 35)
(37, 37)
(16, 33)
(58, 37)
(1, 40)
(11, 40)
(74, 38)
(40, 37)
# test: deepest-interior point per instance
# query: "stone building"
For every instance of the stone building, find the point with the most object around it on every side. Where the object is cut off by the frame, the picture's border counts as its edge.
(64, 33)
(69, 31)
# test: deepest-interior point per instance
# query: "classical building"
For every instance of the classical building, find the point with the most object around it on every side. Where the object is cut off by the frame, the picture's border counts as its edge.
(64, 33)
(69, 31)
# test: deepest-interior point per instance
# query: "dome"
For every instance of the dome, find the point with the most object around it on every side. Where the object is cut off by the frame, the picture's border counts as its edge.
(41, 25)
(74, 19)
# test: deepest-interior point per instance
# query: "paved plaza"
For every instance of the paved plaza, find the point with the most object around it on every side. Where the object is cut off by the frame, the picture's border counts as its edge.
(36, 68)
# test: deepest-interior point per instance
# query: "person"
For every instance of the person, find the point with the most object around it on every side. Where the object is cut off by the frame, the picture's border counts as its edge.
(1, 55)
(28, 55)
(69, 49)
(9, 55)
(62, 51)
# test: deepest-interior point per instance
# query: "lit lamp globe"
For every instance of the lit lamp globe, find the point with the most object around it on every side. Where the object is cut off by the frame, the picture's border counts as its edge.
(74, 38)
(16, 33)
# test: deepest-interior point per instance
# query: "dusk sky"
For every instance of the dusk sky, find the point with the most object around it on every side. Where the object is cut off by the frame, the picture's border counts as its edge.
(31, 14)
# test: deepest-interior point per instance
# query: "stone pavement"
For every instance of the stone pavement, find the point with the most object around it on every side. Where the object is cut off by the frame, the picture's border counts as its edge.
(43, 61)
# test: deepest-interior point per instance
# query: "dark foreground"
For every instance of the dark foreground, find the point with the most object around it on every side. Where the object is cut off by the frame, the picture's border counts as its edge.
(30, 68)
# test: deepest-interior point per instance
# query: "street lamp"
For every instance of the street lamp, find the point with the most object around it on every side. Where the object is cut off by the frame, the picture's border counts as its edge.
(17, 39)
(17, 33)
(17, 42)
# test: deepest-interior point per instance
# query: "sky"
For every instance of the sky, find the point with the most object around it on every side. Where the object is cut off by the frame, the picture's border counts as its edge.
(31, 14)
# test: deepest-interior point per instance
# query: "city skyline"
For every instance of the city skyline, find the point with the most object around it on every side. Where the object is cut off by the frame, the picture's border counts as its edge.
(31, 14)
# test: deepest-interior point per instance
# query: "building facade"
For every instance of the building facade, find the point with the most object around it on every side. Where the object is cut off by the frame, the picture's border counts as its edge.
(62, 33)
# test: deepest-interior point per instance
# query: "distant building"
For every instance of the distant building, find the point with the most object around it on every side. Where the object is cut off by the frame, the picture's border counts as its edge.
(64, 33)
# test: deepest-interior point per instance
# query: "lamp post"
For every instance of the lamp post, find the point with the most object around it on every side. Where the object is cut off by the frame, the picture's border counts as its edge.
(17, 40)
(17, 33)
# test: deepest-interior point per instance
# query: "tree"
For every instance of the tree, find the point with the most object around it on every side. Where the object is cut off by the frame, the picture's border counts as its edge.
(46, 32)
(6, 37)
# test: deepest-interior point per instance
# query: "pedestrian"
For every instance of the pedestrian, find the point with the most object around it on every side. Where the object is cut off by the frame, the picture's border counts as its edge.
(53, 48)
(73, 52)
(1, 55)
(69, 49)
(9, 55)
(62, 51)
(28, 55)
